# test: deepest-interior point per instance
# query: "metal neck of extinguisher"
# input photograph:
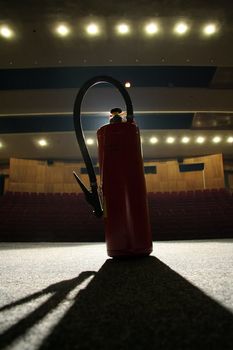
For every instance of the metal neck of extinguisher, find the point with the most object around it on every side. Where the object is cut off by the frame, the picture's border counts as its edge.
(92, 196)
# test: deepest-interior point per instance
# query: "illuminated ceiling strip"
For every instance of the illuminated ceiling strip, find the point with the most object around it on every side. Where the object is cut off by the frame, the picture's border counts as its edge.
(104, 113)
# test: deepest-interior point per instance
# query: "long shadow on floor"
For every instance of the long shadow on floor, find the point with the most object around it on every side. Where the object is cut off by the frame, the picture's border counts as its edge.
(142, 304)
(138, 304)
(58, 291)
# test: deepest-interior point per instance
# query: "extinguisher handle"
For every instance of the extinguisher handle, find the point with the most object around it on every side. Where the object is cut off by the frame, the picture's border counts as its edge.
(92, 196)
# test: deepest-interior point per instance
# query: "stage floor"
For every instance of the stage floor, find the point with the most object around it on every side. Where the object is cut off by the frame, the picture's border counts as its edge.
(73, 296)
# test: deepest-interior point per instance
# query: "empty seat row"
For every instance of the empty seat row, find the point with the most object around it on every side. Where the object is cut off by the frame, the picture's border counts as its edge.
(67, 216)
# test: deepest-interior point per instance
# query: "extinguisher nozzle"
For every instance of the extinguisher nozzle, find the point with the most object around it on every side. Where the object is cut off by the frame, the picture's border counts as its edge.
(91, 197)
(98, 213)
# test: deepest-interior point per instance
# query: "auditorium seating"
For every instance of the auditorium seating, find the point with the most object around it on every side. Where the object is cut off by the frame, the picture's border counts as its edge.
(67, 217)
(48, 217)
(192, 214)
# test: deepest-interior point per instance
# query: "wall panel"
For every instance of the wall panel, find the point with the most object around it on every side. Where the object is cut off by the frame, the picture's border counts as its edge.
(38, 176)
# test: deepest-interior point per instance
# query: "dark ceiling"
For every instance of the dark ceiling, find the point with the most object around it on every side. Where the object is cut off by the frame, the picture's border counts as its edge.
(72, 8)
(74, 77)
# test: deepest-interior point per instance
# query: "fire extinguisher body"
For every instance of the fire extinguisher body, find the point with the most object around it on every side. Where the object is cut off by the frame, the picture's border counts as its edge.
(126, 216)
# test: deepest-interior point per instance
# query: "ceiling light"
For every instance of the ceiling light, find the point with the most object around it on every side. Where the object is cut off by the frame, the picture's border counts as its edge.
(123, 28)
(153, 140)
(127, 84)
(230, 139)
(200, 139)
(42, 142)
(90, 141)
(92, 29)
(185, 139)
(151, 28)
(181, 28)
(6, 32)
(62, 30)
(170, 139)
(216, 139)
(209, 29)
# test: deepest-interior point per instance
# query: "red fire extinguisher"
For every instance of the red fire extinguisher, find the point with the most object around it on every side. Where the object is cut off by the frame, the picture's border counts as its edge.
(124, 197)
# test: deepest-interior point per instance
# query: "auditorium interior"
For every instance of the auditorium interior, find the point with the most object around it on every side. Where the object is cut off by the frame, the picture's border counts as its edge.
(58, 287)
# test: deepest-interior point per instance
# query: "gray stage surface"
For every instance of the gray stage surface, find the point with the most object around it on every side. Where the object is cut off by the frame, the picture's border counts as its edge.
(72, 296)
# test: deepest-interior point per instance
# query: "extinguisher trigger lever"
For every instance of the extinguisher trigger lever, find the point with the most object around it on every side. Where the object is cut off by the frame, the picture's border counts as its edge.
(91, 197)
(81, 184)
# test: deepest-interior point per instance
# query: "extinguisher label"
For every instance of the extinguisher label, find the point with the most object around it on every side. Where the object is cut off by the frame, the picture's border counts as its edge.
(104, 207)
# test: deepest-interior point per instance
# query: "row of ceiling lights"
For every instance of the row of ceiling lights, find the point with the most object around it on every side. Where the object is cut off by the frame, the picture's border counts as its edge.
(94, 29)
(152, 140)
(171, 140)
(186, 139)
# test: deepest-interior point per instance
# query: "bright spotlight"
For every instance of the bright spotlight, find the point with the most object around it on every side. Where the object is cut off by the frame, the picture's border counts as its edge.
(92, 29)
(230, 139)
(200, 139)
(216, 139)
(170, 139)
(127, 84)
(151, 28)
(62, 30)
(90, 141)
(1, 145)
(153, 140)
(123, 28)
(209, 29)
(185, 139)
(181, 28)
(6, 32)
(42, 142)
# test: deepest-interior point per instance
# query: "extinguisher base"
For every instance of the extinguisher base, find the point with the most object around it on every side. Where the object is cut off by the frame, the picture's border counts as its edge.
(129, 254)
